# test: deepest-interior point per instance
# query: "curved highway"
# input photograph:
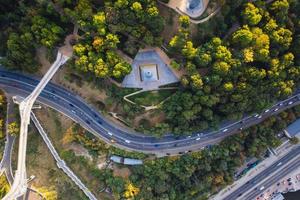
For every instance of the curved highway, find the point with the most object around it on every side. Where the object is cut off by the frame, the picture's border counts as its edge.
(75, 107)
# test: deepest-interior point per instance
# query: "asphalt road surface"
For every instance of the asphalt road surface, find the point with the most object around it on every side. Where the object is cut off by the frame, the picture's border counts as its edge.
(251, 189)
(77, 109)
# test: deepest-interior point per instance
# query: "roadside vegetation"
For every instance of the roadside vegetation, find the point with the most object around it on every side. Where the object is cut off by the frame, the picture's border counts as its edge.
(2, 122)
(49, 180)
(257, 65)
(198, 175)
(195, 175)
(4, 186)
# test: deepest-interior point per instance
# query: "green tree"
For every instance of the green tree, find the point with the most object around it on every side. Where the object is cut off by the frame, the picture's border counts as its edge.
(280, 9)
(184, 21)
(121, 69)
(251, 14)
(242, 36)
(13, 128)
(282, 38)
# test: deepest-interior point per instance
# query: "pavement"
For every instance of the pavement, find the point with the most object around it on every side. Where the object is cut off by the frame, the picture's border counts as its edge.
(87, 116)
(269, 174)
(19, 186)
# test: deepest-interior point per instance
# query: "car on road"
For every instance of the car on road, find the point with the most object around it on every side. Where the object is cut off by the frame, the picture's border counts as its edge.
(225, 130)
(291, 102)
(197, 138)
(256, 115)
(259, 116)
(280, 104)
(109, 133)
(261, 188)
(199, 134)
(276, 109)
(267, 110)
(279, 164)
(127, 141)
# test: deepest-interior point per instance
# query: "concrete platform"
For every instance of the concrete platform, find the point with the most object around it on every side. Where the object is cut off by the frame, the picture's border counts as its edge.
(149, 72)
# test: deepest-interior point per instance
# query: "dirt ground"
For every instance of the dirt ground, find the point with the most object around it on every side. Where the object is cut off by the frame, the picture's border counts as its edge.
(56, 126)
(172, 23)
(153, 118)
(123, 172)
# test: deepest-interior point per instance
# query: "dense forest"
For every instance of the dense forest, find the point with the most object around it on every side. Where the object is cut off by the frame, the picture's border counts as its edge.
(233, 72)
(249, 63)
(246, 72)
(196, 175)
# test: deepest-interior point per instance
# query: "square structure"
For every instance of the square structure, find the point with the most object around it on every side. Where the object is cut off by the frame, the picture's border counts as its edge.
(149, 71)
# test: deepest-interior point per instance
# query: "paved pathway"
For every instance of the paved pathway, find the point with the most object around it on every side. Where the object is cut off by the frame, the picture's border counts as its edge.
(282, 151)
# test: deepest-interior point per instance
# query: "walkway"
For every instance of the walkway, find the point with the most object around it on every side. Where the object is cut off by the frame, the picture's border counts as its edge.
(61, 163)
(19, 187)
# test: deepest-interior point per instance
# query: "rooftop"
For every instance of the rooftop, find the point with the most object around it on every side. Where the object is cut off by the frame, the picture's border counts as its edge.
(294, 128)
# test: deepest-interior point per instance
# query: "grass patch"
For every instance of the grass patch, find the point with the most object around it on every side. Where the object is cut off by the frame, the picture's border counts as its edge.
(41, 164)
(151, 98)
(4, 186)
(56, 127)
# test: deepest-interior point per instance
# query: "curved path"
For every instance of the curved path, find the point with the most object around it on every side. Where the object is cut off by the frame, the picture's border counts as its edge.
(75, 107)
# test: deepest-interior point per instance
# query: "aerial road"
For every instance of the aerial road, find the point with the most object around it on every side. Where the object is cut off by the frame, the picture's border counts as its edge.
(19, 185)
(78, 110)
(267, 177)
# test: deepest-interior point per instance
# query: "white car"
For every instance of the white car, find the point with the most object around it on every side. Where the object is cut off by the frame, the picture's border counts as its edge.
(267, 110)
(275, 109)
(256, 115)
(127, 141)
(225, 130)
(109, 133)
(197, 138)
(290, 102)
(259, 116)
(262, 187)
(189, 136)
(199, 134)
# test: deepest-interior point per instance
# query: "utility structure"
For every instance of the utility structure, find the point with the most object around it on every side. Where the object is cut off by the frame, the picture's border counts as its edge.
(19, 186)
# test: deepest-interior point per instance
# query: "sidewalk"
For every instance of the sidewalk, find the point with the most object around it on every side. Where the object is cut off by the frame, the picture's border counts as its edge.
(281, 151)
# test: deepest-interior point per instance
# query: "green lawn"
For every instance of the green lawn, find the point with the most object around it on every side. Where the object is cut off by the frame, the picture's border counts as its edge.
(150, 98)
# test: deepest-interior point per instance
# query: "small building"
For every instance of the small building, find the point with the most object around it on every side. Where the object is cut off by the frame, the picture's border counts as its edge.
(293, 130)
(149, 71)
(126, 161)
